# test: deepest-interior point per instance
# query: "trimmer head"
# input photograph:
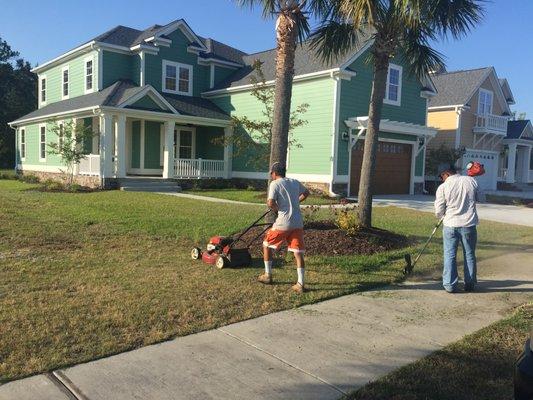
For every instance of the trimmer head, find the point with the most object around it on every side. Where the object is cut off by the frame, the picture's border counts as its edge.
(408, 265)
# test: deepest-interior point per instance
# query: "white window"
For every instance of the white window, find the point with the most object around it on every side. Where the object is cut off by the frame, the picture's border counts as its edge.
(393, 93)
(484, 106)
(89, 62)
(42, 143)
(177, 78)
(64, 83)
(42, 83)
(23, 144)
(184, 144)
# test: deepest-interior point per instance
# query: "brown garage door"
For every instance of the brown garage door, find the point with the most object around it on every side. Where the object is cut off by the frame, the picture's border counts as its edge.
(393, 168)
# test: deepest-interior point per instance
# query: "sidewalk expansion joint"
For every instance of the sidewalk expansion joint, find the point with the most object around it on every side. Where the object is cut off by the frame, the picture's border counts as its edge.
(283, 361)
(66, 385)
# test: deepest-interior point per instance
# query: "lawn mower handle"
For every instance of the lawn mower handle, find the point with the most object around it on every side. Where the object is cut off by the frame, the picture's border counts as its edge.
(409, 266)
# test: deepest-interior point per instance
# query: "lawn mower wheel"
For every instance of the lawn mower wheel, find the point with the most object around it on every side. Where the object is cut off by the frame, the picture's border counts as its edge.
(222, 262)
(196, 253)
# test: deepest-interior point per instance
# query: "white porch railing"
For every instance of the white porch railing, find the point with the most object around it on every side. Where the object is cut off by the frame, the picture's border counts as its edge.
(90, 165)
(489, 123)
(502, 173)
(198, 168)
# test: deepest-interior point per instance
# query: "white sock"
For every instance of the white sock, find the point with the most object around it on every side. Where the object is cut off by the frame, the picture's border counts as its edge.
(301, 272)
(268, 267)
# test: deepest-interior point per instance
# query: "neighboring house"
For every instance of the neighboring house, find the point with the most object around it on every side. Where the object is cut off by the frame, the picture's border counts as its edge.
(517, 164)
(156, 99)
(471, 111)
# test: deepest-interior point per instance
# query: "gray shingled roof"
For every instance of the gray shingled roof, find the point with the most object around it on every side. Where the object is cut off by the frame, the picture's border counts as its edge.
(515, 129)
(120, 91)
(306, 61)
(455, 88)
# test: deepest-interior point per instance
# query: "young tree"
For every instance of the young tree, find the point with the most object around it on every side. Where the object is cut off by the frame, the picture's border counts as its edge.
(292, 25)
(69, 145)
(402, 28)
(257, 133)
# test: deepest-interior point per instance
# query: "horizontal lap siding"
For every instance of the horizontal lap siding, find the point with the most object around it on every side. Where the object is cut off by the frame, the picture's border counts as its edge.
(221, 74)
(205, 148)
(76, 78)
(33, 146)
(355, 100)
(118, 66)
(314, 137)
(177, 52)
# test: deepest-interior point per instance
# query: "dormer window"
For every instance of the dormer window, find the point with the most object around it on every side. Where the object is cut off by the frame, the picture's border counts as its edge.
(177, 78)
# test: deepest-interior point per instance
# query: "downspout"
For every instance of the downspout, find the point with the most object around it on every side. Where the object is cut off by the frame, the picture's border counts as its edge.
(335, 138)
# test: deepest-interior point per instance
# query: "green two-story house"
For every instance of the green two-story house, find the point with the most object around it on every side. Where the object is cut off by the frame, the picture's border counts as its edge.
(160, 101)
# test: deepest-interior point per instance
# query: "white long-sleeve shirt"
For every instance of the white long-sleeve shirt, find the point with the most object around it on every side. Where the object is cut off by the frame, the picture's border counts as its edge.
(456, 201)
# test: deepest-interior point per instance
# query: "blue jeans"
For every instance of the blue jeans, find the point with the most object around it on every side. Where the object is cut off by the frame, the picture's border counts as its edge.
(451, 238)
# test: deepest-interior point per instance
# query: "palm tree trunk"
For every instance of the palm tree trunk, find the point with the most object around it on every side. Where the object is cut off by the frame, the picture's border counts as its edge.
(287, 35)
(379, 85)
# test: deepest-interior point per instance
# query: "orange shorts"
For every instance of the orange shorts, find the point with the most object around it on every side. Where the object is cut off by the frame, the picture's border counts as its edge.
(294, 239)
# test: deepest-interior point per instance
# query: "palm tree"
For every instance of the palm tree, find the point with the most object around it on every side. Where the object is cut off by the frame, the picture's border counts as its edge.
(292, 26)
(392, 27)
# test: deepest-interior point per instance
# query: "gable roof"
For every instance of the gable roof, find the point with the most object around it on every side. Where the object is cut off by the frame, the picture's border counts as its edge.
(515, 129)
(118, 94)
(456, 87)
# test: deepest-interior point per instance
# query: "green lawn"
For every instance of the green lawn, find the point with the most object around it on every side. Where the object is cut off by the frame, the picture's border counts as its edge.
(479, 366)
(87, 275)
(254, 196)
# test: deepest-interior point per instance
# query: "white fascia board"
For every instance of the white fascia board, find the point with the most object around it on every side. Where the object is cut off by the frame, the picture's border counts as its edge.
(427, 94)
(208, 61)
(386, 125)
(451, 107)
(147, 49)
(185, 28)
(154, 95)
(86, 110)
(63, 57)
(297, 78)
(161, 116)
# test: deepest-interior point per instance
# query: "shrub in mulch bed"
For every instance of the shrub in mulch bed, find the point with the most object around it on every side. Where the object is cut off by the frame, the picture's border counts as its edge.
(326, 239)
(58, 187)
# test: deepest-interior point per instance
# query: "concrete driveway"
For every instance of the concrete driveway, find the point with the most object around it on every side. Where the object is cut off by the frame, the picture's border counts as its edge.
(492, 212)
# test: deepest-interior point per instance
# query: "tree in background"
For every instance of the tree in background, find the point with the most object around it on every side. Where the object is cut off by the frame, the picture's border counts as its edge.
(18, 96)
(256, 134)
(292, 26)
(69, 145)
(392, 28)
(518, 116)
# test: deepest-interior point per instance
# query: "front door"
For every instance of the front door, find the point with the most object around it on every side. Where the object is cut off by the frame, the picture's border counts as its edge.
(146, 150)
(184, 143)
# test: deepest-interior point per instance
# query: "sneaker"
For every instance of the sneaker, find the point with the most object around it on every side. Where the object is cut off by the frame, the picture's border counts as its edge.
(298, 288)
(469, 287)
(265, 278)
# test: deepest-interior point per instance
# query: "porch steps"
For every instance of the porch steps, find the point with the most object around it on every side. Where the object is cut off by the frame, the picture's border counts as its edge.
(149, 185)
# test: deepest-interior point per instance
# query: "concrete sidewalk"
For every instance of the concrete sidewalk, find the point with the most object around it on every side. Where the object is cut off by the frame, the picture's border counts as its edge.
(320, 351)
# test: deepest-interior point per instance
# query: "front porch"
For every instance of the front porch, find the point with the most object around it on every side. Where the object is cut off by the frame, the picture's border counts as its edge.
(132, 146)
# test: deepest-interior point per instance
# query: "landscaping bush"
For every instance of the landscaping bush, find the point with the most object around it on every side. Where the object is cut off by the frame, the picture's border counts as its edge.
(8, 174)
(347, 220)
(30, 178)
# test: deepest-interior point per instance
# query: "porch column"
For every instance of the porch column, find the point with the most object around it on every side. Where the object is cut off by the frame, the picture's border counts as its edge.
(511, 163)
(525, 164)
(106, 146)
(121, 146)
(168, 153)
(228, 152)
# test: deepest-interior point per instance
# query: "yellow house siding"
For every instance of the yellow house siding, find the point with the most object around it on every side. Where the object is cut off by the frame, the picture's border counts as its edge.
(446, 123)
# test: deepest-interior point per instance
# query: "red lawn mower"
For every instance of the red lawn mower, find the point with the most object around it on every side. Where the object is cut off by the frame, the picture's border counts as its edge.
(225, 251)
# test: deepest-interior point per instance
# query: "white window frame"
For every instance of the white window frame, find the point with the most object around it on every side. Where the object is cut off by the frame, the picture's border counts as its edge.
(397, 102)
(41, 126)
(63, 95)
(177, 131)
(22, 144)
(60, 132)
(177, 65)
(485, 92)
(41, 78)
(85, 75)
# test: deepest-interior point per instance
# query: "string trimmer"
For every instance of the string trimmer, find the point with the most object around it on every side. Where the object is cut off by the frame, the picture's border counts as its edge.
(410, 265)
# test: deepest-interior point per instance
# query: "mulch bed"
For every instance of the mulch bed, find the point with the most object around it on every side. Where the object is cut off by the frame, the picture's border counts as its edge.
(324, 238)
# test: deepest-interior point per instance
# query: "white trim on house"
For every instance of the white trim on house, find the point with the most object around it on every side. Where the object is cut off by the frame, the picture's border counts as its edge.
(212, 76)
(149, 91)
(177, 144)
(185, 28)
(142, 68)
(39, 168)
(249, 175)
(41, 142)
(72, 52)
(386, 125)
(178, 66)
(86, 75)
(145, 48)
(40, 84)
(22, 143)
(357, 54)
(335, 132)
(486, 92)
(66, 69)
(451, 107)
(86, 110)
(100, 56)
(212, 61)
(398, 101)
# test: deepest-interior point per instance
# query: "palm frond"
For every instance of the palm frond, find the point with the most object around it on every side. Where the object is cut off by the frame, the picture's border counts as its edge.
(455, 17)
(419, 56)
(333, 39)
(269, 7)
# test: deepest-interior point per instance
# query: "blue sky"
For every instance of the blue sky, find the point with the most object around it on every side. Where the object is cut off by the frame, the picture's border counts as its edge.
(50, 27)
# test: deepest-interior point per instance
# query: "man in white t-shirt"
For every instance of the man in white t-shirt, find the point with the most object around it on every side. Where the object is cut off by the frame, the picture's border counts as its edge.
(456, 201)
(284, 197)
